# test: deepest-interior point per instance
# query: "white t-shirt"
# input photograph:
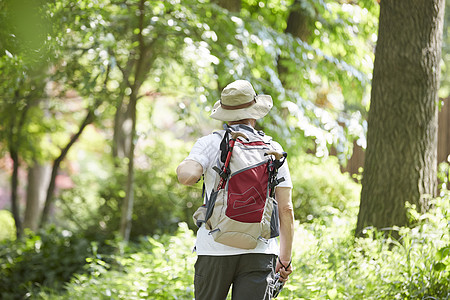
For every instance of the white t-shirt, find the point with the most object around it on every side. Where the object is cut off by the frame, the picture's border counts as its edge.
(205, 152)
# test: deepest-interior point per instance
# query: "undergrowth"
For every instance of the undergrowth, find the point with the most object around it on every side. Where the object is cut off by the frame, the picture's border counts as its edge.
(329, 262)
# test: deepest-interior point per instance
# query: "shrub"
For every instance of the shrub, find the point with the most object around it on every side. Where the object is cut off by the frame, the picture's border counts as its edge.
(7, 226)
(46, 259)
(331, 264)
(320, 188)
(159, 267)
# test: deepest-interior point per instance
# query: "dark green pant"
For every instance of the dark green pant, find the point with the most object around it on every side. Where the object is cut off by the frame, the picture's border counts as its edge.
(250, 275)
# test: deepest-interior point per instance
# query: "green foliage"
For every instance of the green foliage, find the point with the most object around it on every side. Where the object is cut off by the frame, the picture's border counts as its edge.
(160, 202)
(323, 93)
(321, 189)
(444, 175)
(159, 267)
(26, 53)
(332, 264)
(26, 26)
(329, 263)
(7, 226)
(46, 259)
(197, 48)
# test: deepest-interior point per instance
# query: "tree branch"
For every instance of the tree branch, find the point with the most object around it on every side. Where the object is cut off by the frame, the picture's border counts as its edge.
(56, 163)
(90, 117)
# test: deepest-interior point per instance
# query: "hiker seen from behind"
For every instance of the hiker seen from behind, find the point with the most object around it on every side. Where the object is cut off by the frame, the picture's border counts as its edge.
(246, 222)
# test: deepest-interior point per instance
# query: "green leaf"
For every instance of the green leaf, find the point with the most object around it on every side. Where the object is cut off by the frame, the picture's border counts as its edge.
(439, 267)
(332, 293)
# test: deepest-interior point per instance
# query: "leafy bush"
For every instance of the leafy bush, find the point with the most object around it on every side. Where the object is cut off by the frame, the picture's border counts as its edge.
(332, 264)
(320, 188)
(444, 175)
(156, 268)
(7, 226)
(46, 259)
(329, 262)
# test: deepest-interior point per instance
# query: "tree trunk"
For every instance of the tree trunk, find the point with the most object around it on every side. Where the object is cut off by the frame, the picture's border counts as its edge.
(142, 67)
(14, 188)
(231, 5)
(121, 138)
(400, 163)
(299, 21)
(14, 141)
(57, 162)
(127, 207)
(38, 180)
(444, 131)
(299, 26)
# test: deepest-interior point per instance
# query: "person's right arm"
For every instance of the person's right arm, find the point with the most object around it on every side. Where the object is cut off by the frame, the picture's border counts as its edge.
(189, 172)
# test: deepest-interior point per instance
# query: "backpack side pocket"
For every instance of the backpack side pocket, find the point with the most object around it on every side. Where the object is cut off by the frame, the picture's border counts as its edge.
(274, 221)
(200, 216)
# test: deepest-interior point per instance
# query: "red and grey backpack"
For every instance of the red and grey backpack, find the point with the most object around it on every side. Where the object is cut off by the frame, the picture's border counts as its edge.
(241, 208)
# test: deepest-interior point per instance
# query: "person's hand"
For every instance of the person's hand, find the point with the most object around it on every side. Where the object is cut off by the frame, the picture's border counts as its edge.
(284, 267)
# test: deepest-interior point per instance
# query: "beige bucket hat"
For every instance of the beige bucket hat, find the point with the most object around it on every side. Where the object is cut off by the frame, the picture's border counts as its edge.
(239, 101)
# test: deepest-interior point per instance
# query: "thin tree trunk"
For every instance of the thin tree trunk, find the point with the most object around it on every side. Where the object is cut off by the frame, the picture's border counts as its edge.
(38, 180)
(127, 208)
(400, 163)
(118, 135)
(444, 131)
(14, 140)
(143, 66)
(14, 188)
(52, 184)
(120, 140)
(90, 117)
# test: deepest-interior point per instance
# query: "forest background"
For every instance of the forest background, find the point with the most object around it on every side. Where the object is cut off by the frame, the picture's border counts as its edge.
(100, 101)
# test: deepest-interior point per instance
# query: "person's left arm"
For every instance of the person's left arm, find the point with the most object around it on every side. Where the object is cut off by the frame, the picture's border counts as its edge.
(286, 215)
(283, 195)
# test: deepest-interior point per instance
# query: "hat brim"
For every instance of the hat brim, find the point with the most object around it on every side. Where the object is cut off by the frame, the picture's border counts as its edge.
(258, 110)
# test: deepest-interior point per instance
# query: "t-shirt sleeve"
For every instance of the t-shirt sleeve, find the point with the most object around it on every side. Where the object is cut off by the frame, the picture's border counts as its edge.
(283, 172)
(204, 150)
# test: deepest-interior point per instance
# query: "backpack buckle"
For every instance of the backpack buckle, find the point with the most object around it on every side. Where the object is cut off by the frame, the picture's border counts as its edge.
(221, 173)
